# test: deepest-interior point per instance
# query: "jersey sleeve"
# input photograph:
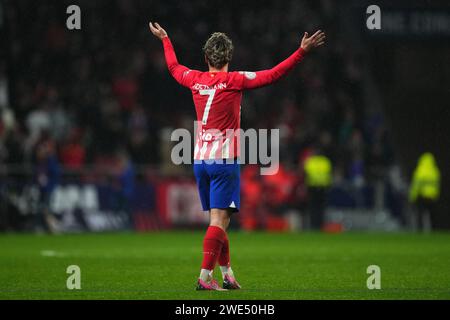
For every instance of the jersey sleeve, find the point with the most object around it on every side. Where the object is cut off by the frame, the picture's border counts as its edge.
(182, 74)
(253, 80)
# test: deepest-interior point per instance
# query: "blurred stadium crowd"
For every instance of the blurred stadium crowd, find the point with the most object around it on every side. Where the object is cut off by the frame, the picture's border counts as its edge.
(101, 97)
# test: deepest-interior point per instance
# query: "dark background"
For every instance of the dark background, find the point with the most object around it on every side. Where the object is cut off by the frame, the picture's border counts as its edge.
(373, 95)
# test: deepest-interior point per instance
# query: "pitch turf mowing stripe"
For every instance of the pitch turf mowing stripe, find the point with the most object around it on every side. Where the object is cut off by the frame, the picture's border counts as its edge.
(164, 265)
(241, 290)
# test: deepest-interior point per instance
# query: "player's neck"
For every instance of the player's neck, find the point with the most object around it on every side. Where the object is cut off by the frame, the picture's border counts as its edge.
(223, 69)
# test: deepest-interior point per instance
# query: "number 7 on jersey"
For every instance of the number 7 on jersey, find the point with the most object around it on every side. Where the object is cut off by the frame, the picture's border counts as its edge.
(210, 93)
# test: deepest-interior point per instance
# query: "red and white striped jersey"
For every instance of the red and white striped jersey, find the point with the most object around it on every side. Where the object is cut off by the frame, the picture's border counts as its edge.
(217, 99)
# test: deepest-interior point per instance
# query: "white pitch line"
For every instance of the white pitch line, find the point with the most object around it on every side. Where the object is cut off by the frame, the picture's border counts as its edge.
(52, 253)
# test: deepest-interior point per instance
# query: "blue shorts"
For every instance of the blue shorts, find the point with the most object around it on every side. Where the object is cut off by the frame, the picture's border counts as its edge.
(218, 184)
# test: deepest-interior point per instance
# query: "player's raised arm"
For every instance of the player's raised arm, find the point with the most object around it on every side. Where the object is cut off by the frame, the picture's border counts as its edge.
(178, 71)
(252, 80)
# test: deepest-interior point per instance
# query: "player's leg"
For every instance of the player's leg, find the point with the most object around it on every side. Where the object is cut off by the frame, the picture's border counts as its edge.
(212, 242)
(225, 193)
(223, 199)
(216, 248)
(212, 248)
(229, 280)
(223, 220)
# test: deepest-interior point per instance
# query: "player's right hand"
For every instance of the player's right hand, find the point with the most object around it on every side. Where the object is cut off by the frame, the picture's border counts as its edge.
(157, 30)
(316, 40)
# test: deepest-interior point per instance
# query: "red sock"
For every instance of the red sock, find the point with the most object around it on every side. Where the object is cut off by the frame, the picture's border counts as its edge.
(224, 257)
(212, 246)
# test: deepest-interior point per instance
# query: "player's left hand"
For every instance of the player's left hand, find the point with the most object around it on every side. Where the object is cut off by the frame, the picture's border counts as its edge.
(157, 30)
(316, 40)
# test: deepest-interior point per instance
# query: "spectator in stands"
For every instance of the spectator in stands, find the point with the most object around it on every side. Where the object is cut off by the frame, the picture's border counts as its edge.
(103, 82)
(47, 174)
(73, 153)
(126, 176)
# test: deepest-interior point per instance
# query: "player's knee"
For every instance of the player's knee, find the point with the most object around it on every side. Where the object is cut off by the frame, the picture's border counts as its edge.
(220, 218)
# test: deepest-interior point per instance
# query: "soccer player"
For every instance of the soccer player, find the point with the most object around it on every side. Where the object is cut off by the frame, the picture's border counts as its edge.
(217, 97)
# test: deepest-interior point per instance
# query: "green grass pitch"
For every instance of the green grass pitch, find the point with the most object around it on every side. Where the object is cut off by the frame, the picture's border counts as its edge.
(165, 265)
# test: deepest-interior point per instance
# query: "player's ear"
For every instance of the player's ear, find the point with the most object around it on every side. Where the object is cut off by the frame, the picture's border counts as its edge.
(206, 61)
